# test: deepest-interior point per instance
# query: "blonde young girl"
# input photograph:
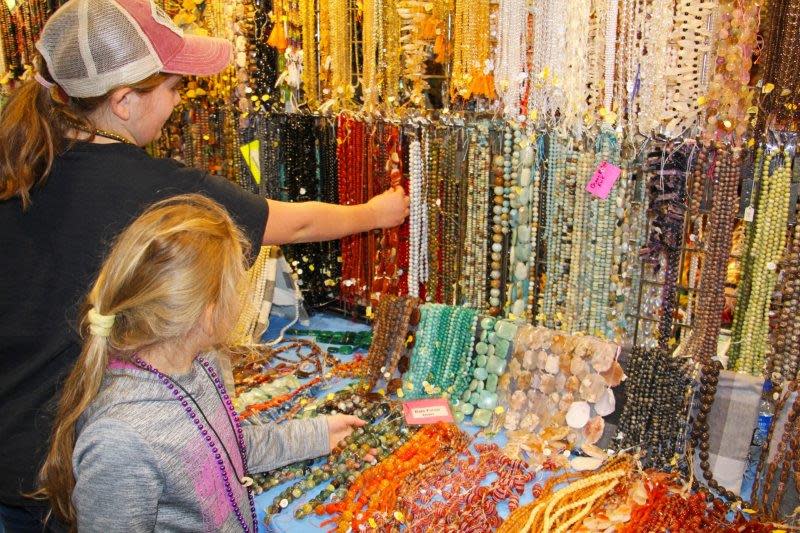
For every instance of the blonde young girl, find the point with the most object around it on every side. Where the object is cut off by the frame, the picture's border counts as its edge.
(73, 174)
(146, 437)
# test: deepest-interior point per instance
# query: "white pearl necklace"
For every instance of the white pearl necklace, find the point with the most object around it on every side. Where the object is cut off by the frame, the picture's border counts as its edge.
(418, 220)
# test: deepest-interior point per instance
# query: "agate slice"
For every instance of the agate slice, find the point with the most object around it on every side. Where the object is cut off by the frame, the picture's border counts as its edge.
(614, 375)
(592, 387)
(593, 430)
(606, 403)
(578, 415)
(604, 356)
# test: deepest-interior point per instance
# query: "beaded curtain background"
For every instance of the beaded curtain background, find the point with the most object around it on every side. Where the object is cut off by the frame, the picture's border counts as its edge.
(496, 138)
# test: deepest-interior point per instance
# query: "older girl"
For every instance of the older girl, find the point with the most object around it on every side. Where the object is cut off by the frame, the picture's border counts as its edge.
(73, 174)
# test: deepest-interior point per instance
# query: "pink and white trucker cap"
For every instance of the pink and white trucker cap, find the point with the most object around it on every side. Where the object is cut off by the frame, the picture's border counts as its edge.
(93, 46)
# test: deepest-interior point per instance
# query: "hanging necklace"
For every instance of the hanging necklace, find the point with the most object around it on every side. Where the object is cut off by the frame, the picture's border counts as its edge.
(176, 389)
(113, 136)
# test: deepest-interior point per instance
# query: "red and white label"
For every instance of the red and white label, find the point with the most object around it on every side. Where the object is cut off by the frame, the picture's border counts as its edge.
(430, 411)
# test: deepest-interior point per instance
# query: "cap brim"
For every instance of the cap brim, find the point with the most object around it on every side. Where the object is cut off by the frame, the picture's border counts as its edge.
(200, 56)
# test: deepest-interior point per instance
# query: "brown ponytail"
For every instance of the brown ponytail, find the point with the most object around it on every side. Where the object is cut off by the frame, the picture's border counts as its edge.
(33, 130)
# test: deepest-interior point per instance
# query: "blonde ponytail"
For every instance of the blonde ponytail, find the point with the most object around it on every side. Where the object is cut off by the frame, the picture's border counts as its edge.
(180, 256)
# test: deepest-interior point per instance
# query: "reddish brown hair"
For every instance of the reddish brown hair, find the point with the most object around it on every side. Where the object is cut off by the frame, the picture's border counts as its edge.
(33, 128)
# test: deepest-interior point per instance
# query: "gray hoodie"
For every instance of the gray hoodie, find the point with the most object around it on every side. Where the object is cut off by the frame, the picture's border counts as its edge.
(141, 464)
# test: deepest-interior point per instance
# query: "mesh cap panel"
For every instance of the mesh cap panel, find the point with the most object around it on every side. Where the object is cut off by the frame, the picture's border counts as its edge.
(94, 46)
(113, 39)
(64, 61)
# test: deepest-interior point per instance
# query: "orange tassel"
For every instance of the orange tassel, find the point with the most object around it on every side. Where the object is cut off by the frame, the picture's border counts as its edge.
(490, 87)
(429, 28)
(439, 49)
(277, 38)
(475, 86)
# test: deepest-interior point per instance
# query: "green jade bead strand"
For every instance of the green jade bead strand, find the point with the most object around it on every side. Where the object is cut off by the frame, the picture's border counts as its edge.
(466, 367)
(493, 351)
(439, 361)
(426, 348)
(536, 150)
(347, 341)
(743, 290)
(769, 244)
(459, 351)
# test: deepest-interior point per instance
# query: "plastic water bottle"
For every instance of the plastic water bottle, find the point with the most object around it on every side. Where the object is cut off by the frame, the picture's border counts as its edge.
(766, 412)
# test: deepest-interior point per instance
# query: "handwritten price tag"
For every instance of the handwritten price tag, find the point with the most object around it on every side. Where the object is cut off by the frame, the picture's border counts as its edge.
(603, 179)
(420, 412)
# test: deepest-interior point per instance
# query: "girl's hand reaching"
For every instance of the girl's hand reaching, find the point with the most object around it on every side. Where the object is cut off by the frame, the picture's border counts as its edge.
(390, 208)
(340, 426)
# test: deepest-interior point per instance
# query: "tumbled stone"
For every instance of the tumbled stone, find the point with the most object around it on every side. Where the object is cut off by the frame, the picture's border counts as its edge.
(482, 417)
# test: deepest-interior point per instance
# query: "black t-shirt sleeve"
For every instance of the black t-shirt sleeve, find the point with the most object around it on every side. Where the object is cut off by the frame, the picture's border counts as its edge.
(248, 210)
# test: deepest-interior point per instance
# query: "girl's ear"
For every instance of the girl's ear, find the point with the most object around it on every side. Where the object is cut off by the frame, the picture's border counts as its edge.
(120, 102)
(207, 321)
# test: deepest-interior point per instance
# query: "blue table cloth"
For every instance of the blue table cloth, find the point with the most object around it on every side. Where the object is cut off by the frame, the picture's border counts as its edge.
(285, 522)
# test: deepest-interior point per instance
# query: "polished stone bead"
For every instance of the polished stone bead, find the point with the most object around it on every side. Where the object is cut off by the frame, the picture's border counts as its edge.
(506, 330)
(480, 373)
(481, 360)
(496, 366)
(491, 383)
(467, 408)
(482, 417)
(487, 323)
(501, 348)
(488, 400)
(473, 385)
(481, 348)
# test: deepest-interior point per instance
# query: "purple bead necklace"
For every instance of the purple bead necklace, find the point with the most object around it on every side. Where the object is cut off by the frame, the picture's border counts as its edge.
(182, 395)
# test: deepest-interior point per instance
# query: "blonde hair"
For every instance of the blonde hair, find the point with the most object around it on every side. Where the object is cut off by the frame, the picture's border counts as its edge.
(180, 256)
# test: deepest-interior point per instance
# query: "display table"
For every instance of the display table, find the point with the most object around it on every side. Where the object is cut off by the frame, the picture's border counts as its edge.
(740, 392)
(285, 522)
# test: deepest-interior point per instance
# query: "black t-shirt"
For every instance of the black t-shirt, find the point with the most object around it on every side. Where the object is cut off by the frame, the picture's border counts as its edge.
(49, 256)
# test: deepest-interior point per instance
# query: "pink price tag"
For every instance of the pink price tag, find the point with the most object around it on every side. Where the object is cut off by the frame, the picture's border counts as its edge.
(420, 412)
(603, 179)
